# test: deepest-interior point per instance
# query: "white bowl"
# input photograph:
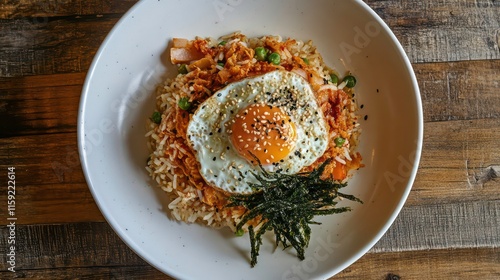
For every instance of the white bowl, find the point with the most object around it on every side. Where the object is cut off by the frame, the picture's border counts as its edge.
(117, 99)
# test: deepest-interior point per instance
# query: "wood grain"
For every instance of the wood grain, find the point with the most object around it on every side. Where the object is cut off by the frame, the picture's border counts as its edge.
(40, 253)
(444, 226)
(459, 90)
(458, 164)
(67, 44)
(449, 91)
(82, 245)
(59, 45)
(448, 229)
(40, 104)
(435, 264)
(13, 9)
(438, 31)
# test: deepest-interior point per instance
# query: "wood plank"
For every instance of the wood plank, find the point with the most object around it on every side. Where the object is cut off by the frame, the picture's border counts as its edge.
(110, 272)
(460, 163)
(42, 159)
(69, 245)
(42, 81)
(444, 226)
(61, 45)
(67, 44)
(459, 90)
(436, 31)
(50, 186)
(435, 264)
(58, 203)
(450, 91)
(41, 10)
(39, 104)
(106, 253)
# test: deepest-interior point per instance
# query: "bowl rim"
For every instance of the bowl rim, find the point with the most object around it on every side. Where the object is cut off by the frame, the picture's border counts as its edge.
(176, 274)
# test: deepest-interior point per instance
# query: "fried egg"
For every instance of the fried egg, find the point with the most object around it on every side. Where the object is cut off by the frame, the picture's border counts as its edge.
(272, 120)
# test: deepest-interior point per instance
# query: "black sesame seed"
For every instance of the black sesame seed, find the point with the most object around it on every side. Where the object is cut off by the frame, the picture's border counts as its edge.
(214, 158)
(211, 133)
(366, 117)
(361, 106)
(377, 90)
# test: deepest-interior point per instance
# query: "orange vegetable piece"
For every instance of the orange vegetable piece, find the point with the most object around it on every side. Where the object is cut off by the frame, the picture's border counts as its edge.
(339, 171)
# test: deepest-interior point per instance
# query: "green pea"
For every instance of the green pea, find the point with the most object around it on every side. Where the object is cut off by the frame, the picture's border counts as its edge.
(334, 79)
(306, 61)
(274, 58)
(222, 43)
(261, 53)
(239, 232)
(339, 141)
(184, 103)
(183, 69)
(156, 117)
(350, 81)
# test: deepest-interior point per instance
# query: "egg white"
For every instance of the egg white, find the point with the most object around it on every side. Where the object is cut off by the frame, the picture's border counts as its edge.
(209, 129)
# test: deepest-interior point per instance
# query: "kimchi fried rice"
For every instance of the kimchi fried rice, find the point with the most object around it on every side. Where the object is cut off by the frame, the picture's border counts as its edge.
(207, 65)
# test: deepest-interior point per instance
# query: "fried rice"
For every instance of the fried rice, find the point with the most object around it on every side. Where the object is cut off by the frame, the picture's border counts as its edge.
(214, 63)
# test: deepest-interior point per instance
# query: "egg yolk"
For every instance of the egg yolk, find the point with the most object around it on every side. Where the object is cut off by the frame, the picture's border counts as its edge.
(263, 132)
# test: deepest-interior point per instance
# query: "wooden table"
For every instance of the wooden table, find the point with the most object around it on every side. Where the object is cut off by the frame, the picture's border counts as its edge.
(448, 229)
